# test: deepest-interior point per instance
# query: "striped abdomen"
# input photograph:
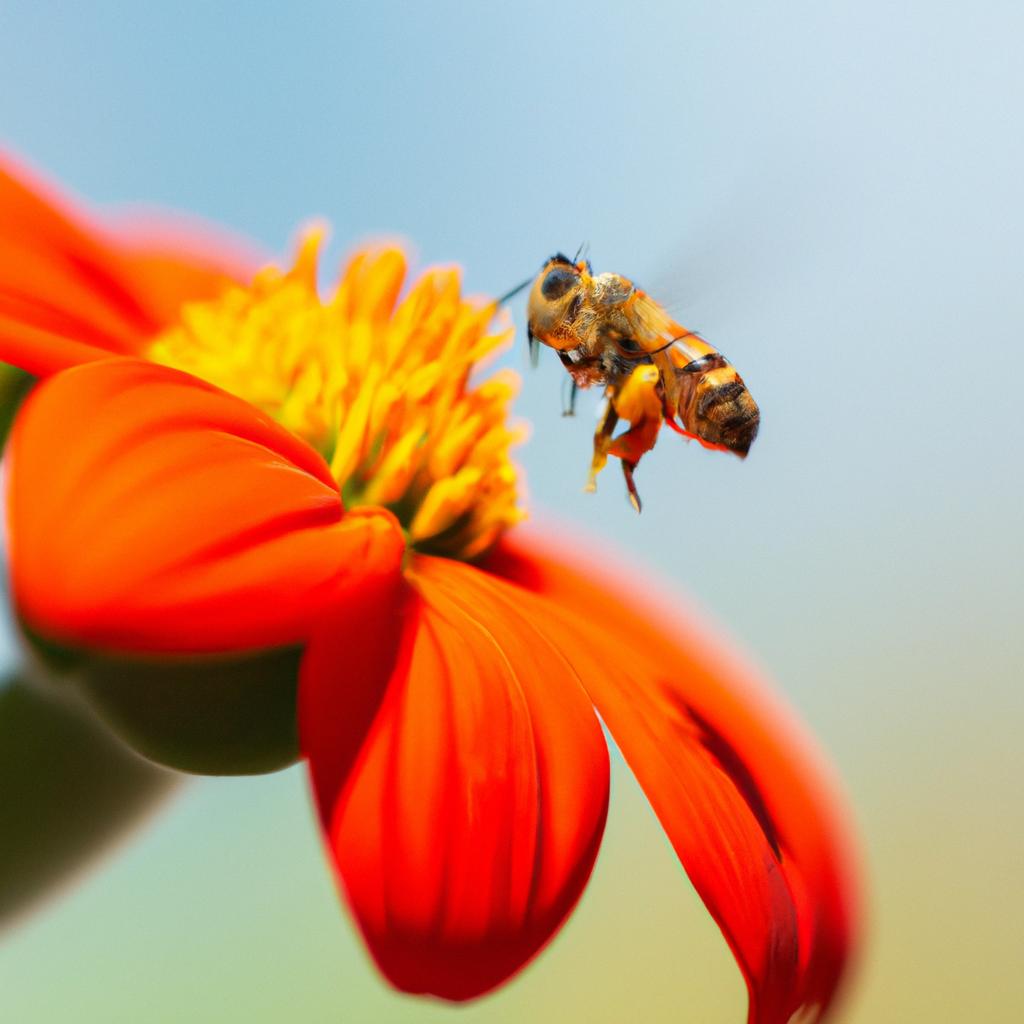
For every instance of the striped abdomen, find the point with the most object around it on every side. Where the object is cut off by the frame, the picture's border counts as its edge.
(714, 404)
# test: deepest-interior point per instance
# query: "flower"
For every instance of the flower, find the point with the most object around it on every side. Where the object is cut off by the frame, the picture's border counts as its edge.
(223, 465)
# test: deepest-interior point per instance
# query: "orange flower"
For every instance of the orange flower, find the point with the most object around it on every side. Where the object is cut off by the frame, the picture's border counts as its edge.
(223, 464)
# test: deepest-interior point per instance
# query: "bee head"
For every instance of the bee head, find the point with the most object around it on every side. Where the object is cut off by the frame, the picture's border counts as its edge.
(554, 300)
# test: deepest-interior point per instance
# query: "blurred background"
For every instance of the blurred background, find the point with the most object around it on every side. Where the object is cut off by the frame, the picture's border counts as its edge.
(832, 194)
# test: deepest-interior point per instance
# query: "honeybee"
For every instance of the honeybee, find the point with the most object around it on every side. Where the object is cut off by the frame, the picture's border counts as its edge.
(608, 332)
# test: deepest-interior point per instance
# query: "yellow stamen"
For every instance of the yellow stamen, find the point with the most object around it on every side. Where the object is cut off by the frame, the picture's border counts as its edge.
(382, 388)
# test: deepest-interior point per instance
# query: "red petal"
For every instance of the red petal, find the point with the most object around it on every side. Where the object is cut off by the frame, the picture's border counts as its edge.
(465, 820)
(746, 802)
(150, 511)
(69, 292)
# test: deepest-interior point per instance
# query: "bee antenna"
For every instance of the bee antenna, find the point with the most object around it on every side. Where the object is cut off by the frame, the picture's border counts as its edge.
(583, 252)
(501, 300)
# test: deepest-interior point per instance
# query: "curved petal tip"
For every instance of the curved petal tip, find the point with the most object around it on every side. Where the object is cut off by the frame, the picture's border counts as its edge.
(462, 779)
(748, 804)
(154, 513)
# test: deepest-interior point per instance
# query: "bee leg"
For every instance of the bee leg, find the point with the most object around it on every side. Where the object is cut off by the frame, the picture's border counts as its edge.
(569, 408)
(630, 448)
(627, 472)
(602, 441)
(639, 402)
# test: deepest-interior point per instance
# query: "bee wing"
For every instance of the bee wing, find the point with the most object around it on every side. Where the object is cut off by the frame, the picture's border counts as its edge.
(670, 347)
(652, 327)
(657, 331)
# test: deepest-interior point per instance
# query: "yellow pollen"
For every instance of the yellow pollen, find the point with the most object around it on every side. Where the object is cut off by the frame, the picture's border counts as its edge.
(382, 388)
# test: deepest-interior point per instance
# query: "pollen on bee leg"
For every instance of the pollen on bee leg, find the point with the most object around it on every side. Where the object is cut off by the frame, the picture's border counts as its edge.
(639, 397)
(602, 440)
(640, 404)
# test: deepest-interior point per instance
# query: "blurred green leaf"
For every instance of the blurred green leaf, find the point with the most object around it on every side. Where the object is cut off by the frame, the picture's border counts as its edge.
(210, 716)
(68, 790)
(15, 384)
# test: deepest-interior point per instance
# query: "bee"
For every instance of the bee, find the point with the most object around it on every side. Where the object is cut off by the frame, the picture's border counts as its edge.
(608, 332)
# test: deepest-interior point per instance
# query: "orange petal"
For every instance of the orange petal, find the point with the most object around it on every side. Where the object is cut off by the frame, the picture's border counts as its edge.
(67, 283)
(43, 352)
(462, 779)
(174, 259)
(151, 512)
(746, 802)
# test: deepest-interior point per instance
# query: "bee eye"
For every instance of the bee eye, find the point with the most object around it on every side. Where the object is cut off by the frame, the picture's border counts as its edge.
(557, 282)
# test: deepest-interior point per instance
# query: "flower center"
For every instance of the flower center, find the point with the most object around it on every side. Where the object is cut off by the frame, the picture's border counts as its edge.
(381, 388)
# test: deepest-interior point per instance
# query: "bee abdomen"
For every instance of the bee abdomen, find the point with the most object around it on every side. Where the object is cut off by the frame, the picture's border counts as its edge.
(718, 408)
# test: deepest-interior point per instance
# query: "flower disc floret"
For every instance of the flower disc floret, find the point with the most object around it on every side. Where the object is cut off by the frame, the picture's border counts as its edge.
(383, 388)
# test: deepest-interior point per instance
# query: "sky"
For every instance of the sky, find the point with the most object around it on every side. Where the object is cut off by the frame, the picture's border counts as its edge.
(832, 194)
